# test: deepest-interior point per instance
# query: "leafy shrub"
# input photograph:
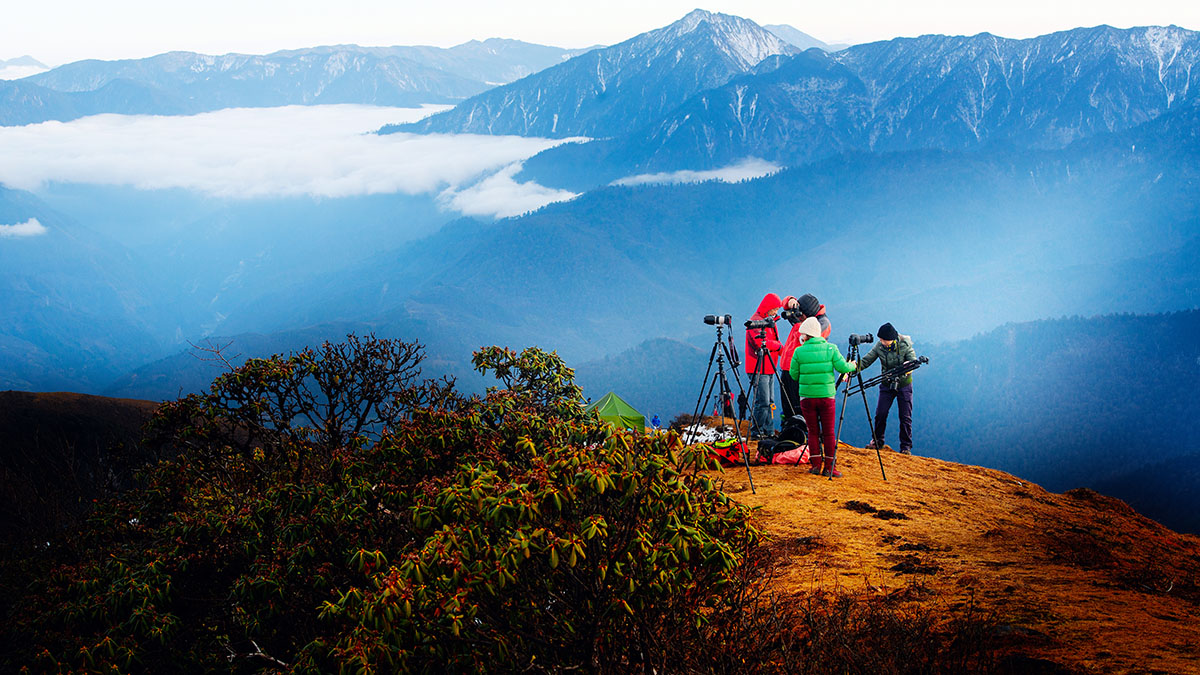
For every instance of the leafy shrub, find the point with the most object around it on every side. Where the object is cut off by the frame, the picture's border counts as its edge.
(326, 512)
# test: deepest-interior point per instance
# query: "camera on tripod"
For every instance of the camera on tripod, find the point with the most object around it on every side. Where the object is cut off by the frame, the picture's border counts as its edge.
(718, 320)
(861, 339)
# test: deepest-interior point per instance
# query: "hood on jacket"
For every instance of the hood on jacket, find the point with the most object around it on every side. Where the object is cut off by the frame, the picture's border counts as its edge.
(769, 302)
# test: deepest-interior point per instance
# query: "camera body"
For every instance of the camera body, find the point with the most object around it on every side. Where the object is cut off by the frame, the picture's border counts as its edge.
(792, 315)
(861, 339)
(719, 320)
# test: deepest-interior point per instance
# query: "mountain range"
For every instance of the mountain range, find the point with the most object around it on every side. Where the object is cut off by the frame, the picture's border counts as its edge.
(616, 90)
(22, 66)
(950, 185)
(932, 92)
(187, 83)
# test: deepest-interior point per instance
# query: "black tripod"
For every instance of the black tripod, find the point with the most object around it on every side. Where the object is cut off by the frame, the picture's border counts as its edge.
(763, 353)
(721, 352)
(859, 388)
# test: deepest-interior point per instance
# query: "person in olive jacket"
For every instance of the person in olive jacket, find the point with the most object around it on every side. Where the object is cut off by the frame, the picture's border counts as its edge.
(813, 368)
(892, 350)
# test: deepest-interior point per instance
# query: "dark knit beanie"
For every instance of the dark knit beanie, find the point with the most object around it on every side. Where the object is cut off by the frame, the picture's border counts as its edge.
(886, 332)
(808, 304)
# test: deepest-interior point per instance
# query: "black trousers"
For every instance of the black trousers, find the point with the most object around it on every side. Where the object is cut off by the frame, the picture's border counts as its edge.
(789, 395)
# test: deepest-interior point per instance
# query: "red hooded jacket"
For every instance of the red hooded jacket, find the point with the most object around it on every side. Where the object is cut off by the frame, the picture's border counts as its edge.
(769, 302)
(795, 339)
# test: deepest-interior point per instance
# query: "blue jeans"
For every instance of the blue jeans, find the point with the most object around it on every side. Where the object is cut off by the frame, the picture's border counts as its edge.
(764, 396)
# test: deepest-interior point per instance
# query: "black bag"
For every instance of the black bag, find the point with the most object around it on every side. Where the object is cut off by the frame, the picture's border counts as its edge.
(793, 435)
(767, 448)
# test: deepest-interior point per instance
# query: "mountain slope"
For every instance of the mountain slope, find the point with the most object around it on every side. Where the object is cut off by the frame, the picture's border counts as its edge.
(799, 39)
(76, 308)
(617, 89)
(56, 457)
(1073, 583)
(932, 92)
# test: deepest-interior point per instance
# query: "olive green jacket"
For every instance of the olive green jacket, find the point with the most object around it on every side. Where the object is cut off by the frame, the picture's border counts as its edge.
(900, 351)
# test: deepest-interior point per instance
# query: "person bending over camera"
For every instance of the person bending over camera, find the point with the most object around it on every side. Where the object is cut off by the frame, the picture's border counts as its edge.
(798, 310)
(813, 368)
(764, 343)
(891, 351)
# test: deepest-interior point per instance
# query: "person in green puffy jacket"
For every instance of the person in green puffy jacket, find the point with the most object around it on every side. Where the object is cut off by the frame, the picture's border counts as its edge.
(814, 367)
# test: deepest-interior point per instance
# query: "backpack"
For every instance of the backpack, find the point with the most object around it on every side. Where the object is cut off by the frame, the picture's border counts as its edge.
(793, 435)
(728, 452)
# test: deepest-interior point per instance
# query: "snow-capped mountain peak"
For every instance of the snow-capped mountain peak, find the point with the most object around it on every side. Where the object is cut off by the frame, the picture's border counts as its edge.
(742, 40)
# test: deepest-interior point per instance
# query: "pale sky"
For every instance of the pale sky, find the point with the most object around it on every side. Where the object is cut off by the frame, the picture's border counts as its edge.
(60, 31)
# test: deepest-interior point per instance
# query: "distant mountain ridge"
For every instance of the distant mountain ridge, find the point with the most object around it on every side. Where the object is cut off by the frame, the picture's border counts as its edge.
(618, 89)
(932, 92)
(186, 82)
(800, 39)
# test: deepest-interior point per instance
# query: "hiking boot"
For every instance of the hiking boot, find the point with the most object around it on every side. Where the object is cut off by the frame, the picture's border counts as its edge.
(905, 451)
(815, 470)
(871, 444)
(832, 472)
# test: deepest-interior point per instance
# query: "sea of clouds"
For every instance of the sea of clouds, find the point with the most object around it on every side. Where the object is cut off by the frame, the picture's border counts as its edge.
(29, 228)
(749, 168)
(321, 151)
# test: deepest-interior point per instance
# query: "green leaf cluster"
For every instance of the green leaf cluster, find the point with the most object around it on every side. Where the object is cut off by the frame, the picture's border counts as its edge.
(496, 533)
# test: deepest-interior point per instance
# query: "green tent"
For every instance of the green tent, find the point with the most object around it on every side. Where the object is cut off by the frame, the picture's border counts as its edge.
(619, 413)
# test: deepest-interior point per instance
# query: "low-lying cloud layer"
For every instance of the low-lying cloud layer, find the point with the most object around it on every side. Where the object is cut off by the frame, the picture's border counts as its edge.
(501, 196)
(323, 151)
(751, 167)
(29, 228)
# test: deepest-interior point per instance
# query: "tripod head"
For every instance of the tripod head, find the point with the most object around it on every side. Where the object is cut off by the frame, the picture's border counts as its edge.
(894, 374)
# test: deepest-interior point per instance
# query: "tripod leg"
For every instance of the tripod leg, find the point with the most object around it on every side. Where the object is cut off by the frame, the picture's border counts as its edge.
(871, 423)
(707, 372)
(697, 417)
(837, 437)
(737, 428)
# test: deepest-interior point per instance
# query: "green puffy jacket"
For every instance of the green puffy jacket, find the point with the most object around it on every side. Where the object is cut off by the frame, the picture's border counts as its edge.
(812, 368)
(891, 357)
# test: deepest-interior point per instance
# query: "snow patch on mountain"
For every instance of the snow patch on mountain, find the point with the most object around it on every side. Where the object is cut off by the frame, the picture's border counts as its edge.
(742, 40)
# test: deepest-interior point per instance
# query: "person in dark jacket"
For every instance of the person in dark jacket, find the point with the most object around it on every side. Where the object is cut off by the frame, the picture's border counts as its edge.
(789, 395)
(891, 351)
(813, 368)
(762, 375)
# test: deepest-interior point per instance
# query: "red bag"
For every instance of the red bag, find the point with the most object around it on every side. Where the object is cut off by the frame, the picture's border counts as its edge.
(728, 452)
(794, 456)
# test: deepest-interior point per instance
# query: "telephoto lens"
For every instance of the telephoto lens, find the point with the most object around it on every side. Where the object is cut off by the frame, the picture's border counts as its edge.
(861, 339)
(718, 320)
(761, 323)
(792, 315)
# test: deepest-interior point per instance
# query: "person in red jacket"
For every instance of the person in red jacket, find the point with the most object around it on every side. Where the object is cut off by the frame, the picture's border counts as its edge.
(807, 305)
(760, 367)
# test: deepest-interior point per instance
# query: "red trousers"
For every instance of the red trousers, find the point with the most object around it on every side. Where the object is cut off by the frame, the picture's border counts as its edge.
(818, 415)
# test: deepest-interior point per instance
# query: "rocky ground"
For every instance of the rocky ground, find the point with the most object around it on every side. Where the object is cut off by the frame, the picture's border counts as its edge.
(1077, 579)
